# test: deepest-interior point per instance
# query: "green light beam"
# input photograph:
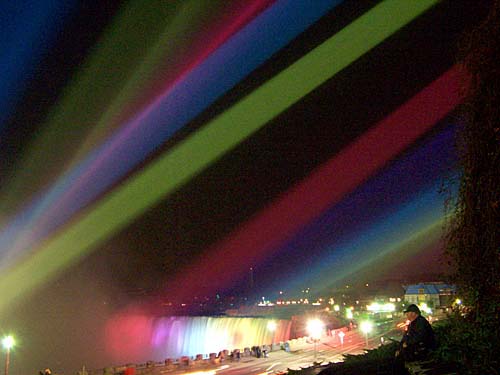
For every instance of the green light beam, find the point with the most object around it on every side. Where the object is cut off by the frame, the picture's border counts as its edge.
(142, 35)
(168, 53)
(187, 159)
(379, 260)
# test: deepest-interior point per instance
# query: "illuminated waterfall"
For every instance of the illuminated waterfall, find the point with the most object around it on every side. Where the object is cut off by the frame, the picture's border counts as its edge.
(177, 336)
(136, 338)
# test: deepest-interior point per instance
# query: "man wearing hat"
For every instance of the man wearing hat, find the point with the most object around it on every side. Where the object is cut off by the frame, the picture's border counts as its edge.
(419, 338)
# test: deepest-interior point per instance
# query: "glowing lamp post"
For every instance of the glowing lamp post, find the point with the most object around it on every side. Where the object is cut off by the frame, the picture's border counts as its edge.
(271, 326)
(315, 328)
(8, 343)
(341, 338)
(366, 328)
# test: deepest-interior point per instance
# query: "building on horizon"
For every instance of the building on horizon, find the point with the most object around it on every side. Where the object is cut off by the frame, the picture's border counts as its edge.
(434, 294)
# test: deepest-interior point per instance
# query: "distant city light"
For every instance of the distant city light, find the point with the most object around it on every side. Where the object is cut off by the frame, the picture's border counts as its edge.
(377, 307)
(423, 307)
(348, 313)
(265, 302)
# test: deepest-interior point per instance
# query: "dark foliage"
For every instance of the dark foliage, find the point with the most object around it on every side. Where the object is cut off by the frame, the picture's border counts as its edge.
(473, 235)
(473, 231)
(467, 345)
(374, 361)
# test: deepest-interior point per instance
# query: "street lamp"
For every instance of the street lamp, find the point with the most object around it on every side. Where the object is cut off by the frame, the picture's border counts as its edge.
(315, 328)
(366, 328)
(8, 343)
(271, 326)
(341, 338)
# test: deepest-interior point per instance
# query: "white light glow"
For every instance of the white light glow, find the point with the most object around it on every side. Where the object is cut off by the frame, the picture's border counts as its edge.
(271, 325)
(423, 307)
(8, 342)
(348, 313)
(366, 326)
(377, 307)
(315, 328)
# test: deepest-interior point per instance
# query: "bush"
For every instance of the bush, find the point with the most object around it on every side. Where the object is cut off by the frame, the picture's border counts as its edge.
(469, 343)
(374, 361)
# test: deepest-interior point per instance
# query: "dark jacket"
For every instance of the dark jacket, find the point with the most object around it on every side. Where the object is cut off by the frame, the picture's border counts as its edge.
(419, 339)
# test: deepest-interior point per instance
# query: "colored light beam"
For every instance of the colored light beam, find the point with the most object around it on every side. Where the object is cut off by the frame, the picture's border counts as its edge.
(159, 72)
(188, 158)
(427, 252)
(327, 185)
(348, 255)
(385, 256)
(106, 79)
(401, 183)
(248, 49)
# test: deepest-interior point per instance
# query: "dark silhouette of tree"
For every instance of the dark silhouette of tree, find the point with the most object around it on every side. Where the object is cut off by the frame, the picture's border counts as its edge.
(474, 235)
(473, 230)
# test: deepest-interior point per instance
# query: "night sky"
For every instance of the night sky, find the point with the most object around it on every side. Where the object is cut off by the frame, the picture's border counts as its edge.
(167, 149)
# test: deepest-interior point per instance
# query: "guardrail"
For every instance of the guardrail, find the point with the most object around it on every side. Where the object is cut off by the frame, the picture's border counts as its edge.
(200, 361)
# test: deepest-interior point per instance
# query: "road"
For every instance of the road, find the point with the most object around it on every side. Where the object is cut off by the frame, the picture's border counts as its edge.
(302, 354)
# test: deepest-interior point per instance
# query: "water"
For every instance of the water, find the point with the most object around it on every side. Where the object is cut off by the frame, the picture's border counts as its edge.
(137, 339)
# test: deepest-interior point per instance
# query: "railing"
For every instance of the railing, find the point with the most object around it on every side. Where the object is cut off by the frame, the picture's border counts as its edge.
(199, 361)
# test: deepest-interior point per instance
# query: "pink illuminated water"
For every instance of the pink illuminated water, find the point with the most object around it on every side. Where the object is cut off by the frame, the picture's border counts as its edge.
(137, 338)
